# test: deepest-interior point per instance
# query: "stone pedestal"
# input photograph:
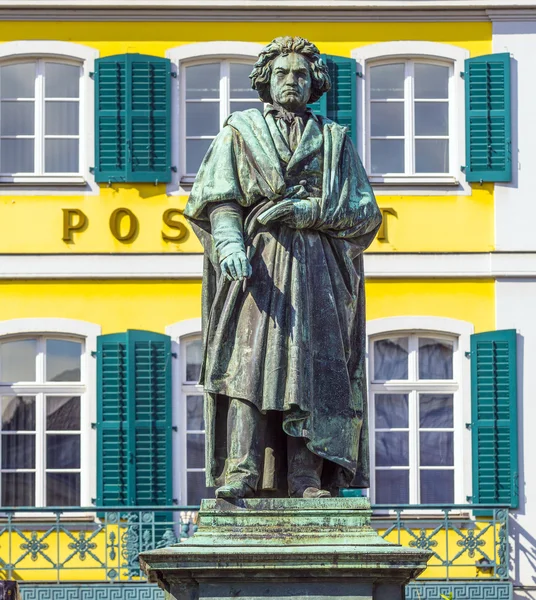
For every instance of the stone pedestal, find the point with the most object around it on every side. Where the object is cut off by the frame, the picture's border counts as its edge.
(256, 549)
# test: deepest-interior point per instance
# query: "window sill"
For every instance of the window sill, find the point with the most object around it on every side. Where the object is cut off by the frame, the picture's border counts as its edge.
(76, 180)
(412, 180)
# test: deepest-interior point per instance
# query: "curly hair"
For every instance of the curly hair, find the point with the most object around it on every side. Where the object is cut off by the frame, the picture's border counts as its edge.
(262, 70)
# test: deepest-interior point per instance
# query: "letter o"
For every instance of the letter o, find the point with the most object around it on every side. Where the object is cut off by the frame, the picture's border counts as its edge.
(116, 219)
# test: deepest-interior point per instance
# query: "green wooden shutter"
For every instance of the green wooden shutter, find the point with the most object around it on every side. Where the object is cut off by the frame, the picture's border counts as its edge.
(340, 103)
(487, 118)
(494, 417)
(133, 119)
(134, 419)
(112, 421)
(110, 119)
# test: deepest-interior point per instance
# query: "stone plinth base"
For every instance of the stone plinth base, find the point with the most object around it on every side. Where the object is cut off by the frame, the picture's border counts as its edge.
(255, 549)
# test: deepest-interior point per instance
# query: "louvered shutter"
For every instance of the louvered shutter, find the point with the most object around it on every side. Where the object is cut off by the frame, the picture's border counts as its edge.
(487, 118)
(340, 103)
(133, 119)
(494, 417)
(134, 419)
(112, 421)
(110, 119)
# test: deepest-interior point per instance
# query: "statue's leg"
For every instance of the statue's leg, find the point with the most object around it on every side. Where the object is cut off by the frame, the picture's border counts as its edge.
(245, 447)
(304, 470)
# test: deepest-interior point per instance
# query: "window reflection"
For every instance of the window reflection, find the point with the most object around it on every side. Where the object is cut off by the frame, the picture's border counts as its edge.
(391, 359)
(17, 360)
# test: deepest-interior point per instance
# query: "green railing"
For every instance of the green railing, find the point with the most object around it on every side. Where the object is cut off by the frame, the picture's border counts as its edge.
(102, 544)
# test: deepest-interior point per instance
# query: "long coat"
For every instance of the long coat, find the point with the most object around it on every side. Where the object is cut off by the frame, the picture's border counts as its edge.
(292, 337)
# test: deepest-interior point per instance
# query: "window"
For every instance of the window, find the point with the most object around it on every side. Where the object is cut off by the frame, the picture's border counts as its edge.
(212, 81)
(193, 432)
(46, 117)
(42, 396)
(413, 412)
(411, 116)
(409, 121)
(39, 118)
(212, 91)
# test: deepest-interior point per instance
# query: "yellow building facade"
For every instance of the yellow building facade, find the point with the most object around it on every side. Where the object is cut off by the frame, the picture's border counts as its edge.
(81, 258)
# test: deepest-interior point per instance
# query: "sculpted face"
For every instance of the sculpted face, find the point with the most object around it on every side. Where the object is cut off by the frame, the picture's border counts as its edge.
(290, 82)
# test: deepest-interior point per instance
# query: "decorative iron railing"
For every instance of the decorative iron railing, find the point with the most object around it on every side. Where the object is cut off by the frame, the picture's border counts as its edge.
(102, 544)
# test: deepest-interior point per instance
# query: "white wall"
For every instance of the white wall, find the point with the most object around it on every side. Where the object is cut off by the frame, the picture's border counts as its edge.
(516, 309)
(515, 202)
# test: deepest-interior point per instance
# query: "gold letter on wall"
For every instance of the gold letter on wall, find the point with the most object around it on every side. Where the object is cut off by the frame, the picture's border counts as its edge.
(172, 223)
(69, 226)
(383, 233)
(115, 224)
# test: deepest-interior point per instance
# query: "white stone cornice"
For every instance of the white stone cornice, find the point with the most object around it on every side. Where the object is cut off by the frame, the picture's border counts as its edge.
(474, 265)
(266, 10)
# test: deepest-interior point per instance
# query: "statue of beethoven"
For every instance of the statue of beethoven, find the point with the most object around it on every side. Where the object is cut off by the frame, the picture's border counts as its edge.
(284, 210)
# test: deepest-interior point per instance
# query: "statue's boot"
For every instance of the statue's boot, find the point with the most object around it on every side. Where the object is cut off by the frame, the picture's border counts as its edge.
(245, 444)
(304, 470)
(234, 490)
(312, 492)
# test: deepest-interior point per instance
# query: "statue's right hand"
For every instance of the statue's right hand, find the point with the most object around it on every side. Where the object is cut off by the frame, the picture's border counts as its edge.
(236, 266)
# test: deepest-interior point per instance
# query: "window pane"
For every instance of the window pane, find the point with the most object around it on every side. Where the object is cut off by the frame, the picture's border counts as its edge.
(63, 489)
(17, 360)
(431, 81)
(391, 359)
(194, 413)
(387, 118)
(387, 156)
(391, 410)
(63, 413)
(18, 81)
(195, 450)
(63, 451)
(17, 118)
(432, 156)
(392, 487)
(194, 358)
(61, 118)
(62, 81)
(435, 358)
(17, 156)
(203, 81)
(436, 448)
(18, 489)
(18, 451)
(195, 152)
(202, 118)
(436, 410)
(240, 81)
(18, 413)
(63, 360)
(387, 81)
(246, 105)
(392, 448)
(61, 156)
(431, 118)
(437, 487)
(197, 490)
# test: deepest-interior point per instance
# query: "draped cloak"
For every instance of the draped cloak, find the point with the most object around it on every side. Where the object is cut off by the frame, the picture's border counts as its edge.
(292, 337)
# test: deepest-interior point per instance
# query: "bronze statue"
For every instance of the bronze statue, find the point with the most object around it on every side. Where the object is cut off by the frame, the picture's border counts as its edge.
(284, 210)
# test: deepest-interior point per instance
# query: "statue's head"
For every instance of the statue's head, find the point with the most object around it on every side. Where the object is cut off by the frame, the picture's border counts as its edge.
(289, 72)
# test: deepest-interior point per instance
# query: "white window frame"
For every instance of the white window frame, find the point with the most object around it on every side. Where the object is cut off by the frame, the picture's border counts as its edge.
(191, 54)
(181, 333)
(68, 53)
(440, 327)
(87, 334)
(430, 52)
